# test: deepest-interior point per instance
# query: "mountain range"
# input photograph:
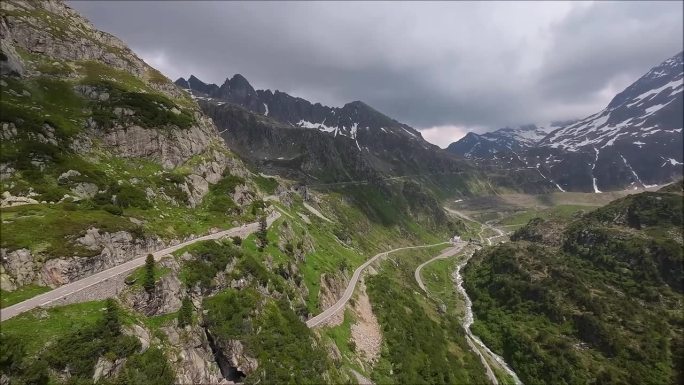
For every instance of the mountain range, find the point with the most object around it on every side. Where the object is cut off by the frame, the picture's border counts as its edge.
(322, 145)
(190, 233)
(635, 142)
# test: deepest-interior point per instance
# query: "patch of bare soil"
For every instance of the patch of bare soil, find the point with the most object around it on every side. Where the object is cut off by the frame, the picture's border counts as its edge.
(366, 331)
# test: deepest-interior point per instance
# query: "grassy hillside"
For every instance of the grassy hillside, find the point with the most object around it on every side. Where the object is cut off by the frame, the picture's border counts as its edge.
(599, 300)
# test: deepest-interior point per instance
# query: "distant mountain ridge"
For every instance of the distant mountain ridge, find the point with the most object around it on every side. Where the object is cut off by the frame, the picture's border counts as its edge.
(298, 112)
(318, 144)
(636, 141)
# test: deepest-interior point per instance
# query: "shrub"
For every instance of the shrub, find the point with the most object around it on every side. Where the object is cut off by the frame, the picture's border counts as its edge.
(211, 258)
(222, 204)
(113, 209)
(150, 368)
(131, 196)
(102, 198)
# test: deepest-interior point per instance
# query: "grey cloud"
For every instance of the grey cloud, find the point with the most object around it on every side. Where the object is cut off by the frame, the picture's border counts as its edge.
(447, 64)
(605, 42)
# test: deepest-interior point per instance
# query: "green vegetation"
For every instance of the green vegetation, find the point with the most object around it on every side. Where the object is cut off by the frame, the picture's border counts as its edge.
(420, 345)
(604, 304)
(9, 298)
(185, 312)
(150, 367)
(563, 212)
(148, 278)
(262, 233)
(139, 275)
(210, 258)
(341, 337)
(79, 350)
(266, 184)
(52, 229)
(272, 333)
(38, 344)
(150, 110)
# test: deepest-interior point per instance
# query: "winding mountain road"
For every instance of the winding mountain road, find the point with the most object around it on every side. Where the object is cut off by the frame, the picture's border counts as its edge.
(445, 254)
(82, 284)
(339, 305)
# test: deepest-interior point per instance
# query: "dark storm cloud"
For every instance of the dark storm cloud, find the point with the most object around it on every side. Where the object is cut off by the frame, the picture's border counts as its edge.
(442, 67)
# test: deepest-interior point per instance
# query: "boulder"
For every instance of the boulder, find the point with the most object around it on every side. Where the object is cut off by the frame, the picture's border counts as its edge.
(19, 265)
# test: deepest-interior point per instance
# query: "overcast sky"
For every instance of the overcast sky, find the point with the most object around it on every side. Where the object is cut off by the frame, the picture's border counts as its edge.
(445, 67)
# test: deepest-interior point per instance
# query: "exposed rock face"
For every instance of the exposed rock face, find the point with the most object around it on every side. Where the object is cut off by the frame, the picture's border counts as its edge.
(11, 63)
(74, 40)
(233, 360)
(84, 190)
(23, 268)
(141, 334)
(171, 148)
(167, 294)
(243, 195)
(192, 357)
(18, 269)
(105, 369)
(331, 291)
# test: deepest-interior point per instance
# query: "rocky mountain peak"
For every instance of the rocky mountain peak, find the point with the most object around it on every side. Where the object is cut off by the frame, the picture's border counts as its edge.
(238, 81)
(636, 141)
(667, 74)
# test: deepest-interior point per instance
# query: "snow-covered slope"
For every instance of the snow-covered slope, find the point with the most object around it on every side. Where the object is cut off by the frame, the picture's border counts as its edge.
(636, 141)
(649, 109)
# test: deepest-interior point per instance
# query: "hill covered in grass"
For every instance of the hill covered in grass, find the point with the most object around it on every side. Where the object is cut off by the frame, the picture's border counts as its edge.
(596, 299)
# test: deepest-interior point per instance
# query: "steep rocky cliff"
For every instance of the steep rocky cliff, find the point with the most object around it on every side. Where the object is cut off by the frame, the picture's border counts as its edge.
(103, 158)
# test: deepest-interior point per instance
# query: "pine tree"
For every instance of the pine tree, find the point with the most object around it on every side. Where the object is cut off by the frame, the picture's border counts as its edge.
(185, 313)
(262, 233)
(110, 322)
(148, 282)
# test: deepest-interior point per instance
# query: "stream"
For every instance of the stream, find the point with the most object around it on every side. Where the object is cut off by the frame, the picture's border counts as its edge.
(468, 321)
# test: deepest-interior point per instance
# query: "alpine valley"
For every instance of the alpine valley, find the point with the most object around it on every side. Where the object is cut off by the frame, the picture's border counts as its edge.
(159, 232)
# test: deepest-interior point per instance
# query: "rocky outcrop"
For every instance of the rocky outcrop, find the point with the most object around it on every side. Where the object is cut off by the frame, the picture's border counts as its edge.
(9, 200)
(17, 268)
(547, 232)
(243, 195)
(20, 267)
(231, 357)
(106, 369)
(192, 356)
(10, 62)
(332, 288)
(170, 148)
(141, 334)
(167, 294)
(65, 35)
(114, 249)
